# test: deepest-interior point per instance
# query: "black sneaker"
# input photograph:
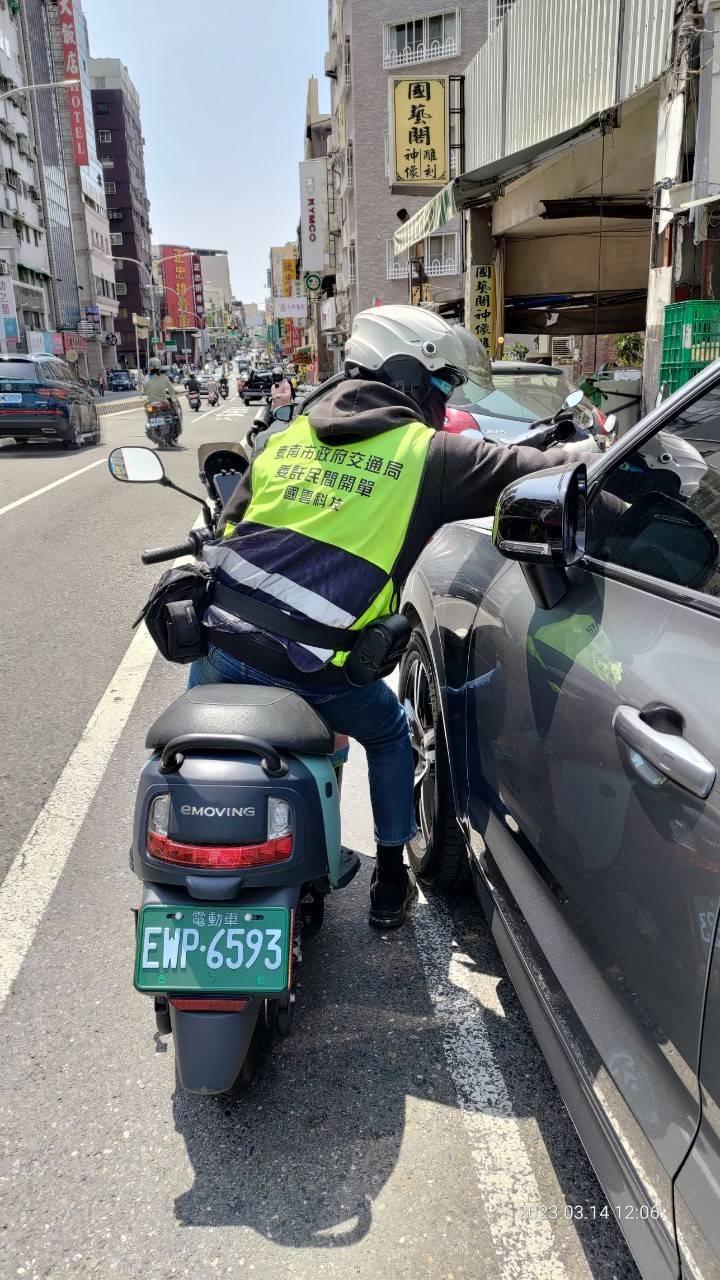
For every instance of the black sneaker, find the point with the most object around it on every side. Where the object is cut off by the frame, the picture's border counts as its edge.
(390, 900)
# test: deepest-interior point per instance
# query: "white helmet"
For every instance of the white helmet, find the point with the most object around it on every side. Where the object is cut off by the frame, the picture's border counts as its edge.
(411, 349)
(278, 372)
(380, 333)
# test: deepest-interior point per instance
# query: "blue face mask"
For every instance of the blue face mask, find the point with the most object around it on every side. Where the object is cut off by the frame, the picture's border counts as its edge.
(443, 386)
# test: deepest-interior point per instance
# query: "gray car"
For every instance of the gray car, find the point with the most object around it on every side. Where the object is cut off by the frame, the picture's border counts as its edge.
(563, 690)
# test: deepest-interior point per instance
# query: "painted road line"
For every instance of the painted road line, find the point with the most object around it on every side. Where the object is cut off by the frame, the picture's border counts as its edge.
(19, 502)
(508, 1189)
(36, 868)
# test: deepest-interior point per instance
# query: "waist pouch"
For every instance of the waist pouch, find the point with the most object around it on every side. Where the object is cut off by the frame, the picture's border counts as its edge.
(174, 611)
(372, 652)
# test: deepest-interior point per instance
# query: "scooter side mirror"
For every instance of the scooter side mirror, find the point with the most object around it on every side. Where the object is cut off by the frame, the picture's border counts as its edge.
(572, 400)
(135, 465)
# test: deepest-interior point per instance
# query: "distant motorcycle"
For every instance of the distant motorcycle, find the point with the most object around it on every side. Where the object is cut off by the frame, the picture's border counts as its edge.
(212, 398)
(162, 424)
(224, 389)
(194, 400)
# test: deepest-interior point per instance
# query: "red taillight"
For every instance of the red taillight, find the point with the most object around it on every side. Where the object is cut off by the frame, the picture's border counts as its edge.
(457, 420)
(51, 393)
(219, 857)
(190, 1004)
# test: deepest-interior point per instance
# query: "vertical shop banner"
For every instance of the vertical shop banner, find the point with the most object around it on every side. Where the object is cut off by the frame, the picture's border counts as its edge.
(419, 112)
(178, 281)
(8, 313)
(480, 304)
(71, 67)
(288, 276)
(313, 214)
(198, 293)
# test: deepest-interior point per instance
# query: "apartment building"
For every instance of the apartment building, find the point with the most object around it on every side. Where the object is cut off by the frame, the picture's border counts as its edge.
(371, 44)
(24, 265)
(94, 338)
(120, 145)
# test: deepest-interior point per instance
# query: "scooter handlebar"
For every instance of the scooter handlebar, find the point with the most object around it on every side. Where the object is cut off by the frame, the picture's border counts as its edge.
(154, 555)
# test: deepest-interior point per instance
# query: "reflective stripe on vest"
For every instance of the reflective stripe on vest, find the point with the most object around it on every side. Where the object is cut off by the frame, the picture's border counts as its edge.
(324, 528)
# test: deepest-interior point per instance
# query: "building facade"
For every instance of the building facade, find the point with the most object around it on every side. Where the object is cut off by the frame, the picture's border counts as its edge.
(24, 262)
(70, 55)
(120, 146)
(370, 43)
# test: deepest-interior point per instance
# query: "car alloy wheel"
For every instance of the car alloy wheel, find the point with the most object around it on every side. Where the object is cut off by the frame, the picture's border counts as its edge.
(418, 710)
(437, 852)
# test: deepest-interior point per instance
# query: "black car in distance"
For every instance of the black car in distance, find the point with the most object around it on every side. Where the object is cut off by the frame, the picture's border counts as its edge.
(120, 380)
(41, 399)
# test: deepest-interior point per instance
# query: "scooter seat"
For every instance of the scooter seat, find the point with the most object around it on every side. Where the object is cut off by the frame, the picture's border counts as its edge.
(279, 717)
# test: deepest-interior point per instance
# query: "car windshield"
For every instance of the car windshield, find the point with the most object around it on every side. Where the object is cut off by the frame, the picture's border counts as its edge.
(524, 396)
(18, 371)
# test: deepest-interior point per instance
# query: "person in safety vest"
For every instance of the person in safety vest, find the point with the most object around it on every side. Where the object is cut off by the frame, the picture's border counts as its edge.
(327, 524)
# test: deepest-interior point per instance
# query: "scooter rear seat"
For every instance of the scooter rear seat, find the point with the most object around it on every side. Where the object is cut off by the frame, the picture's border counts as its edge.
(277, 716)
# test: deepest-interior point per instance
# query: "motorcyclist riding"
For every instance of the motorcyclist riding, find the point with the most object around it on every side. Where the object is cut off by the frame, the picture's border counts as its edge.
(282, 390)
(159, 387)
(192, 383)
(327, 525)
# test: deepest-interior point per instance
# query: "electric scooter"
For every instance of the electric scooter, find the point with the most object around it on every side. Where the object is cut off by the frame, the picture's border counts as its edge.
(236, 841)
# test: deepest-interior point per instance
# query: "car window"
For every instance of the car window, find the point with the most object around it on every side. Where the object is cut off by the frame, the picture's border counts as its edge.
(659, 510)
(523, 396)
(17, 371)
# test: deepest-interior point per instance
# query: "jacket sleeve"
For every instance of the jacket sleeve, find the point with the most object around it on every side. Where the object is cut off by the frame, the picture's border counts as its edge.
(474, 473)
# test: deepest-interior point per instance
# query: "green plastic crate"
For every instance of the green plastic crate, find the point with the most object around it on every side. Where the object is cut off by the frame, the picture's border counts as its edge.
(691, 340)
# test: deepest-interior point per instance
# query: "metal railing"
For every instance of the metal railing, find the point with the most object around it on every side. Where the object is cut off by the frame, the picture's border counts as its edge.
(429, 51)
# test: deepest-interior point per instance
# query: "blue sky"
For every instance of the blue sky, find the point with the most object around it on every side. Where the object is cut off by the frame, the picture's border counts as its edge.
(222, 86)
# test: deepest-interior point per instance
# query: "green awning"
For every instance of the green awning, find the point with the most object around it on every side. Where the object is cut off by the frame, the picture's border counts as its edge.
(435, 213)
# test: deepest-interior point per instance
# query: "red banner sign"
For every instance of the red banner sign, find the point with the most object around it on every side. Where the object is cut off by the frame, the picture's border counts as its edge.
(177, 274)
(71, 65)
(75, 342)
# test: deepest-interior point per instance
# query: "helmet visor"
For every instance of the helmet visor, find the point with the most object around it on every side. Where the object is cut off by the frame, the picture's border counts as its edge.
(447, 381)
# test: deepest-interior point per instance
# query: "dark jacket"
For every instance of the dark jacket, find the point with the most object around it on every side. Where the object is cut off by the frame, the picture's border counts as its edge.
(463, 479)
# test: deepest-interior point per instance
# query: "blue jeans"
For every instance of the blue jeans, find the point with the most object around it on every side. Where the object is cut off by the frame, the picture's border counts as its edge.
(373, 716)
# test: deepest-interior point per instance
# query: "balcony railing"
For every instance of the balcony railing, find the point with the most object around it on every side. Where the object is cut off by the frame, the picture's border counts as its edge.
(423, 52)
(442, 267)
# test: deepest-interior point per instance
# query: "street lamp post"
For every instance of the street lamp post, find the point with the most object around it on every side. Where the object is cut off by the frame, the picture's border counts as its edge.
(32, 88)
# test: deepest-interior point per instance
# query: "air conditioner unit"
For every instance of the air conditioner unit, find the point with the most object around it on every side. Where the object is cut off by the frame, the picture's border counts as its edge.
(331, 58)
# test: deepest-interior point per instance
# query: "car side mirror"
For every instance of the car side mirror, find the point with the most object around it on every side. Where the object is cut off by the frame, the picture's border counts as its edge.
(283, 413)
(541, 521)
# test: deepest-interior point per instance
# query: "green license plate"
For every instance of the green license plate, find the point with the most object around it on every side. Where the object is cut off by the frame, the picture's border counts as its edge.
(243, 950)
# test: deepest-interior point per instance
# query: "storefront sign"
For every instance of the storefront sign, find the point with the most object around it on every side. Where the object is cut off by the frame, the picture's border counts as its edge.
(480, 304)
(177, 277)
(328, 314)
(35, 342)
(291, 308)
(313, 213)
(71, 65)
(8, 313)
(92, 318)
(198, 293)
(420, 131)
(56, 344)
(75, 342)
(288, 276)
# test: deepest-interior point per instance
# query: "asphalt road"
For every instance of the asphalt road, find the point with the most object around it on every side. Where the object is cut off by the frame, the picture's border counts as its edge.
(408, 1127)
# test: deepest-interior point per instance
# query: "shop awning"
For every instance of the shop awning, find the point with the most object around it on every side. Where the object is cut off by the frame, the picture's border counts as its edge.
(479, 185)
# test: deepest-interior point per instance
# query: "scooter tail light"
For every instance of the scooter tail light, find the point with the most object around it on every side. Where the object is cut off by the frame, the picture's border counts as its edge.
(211, 857)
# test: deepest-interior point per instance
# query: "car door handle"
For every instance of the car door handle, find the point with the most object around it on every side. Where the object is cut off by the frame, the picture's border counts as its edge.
(670, 754)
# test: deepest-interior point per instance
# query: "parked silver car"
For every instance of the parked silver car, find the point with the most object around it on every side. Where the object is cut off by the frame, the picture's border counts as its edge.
(563, 688)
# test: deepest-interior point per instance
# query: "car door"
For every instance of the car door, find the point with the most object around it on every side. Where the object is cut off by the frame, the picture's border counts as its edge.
(567, 709)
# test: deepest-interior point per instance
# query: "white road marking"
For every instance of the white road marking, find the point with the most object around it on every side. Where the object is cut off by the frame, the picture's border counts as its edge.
(507, 1185)
(19, 502)
(36, 868)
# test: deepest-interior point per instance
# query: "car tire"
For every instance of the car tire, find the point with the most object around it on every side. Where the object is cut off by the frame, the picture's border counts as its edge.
(74, 438)
(96, 437)
(437, 852)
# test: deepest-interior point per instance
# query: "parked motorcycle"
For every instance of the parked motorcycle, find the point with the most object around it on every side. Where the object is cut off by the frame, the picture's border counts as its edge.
(162, 423)
(194, 400)
(236, 841)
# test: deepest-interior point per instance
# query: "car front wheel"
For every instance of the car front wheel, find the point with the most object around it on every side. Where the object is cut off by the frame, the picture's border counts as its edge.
(437, 851)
